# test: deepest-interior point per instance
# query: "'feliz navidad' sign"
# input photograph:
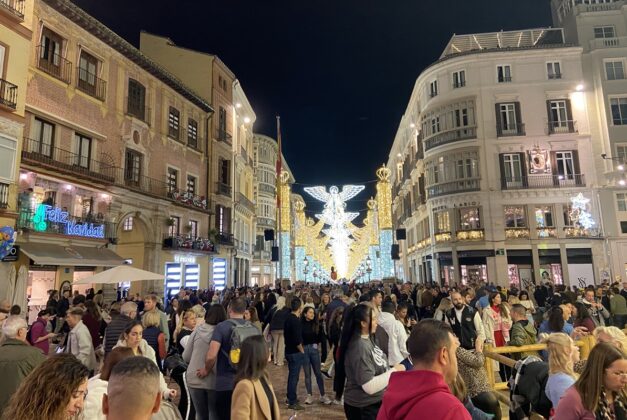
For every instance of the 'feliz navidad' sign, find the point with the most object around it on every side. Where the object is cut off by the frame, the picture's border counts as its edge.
(46, 213)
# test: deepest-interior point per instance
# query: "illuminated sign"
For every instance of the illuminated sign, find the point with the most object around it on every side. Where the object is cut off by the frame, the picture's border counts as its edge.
(46, 213)
(186, 259)
(219, 273)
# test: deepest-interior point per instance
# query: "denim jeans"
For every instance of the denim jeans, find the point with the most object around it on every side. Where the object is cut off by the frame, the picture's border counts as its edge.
(204, 402)
(312, 360)
(295, 362)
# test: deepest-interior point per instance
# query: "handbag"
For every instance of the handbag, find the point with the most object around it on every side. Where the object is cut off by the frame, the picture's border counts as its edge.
(174, 361)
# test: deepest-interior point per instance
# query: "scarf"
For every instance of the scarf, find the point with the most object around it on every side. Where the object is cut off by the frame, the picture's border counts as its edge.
(606, 411)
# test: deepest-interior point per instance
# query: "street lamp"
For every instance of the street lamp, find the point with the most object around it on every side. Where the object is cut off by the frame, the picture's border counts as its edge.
(305, 264)
(368, 267)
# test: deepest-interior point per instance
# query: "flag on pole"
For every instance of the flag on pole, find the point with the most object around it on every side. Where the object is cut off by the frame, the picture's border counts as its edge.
(279, 163)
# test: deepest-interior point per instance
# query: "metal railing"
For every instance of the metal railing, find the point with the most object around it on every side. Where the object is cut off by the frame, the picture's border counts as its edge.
(73, 164)
(450, 136)
(561, 127)
(505, 79)
(137, 111)
(244, 201)
(270, 189)
(223, 136)
(91, 84)
(542, 181)
(513, 129)
(453, 187)
(15, 7)
(223, 189)
(8, 94)
(188, 242)
(555, 76)
(614, 42)
(4, 195)
(54, 64)
(225, 239)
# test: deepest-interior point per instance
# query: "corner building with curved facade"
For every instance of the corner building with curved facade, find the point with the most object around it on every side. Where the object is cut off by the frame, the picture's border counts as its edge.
(493, 147)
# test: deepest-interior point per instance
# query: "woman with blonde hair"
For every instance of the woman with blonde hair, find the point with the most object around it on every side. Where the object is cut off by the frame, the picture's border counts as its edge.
(153, 335)
(599, 393)
(612, 335)
(55, 390)
(563, 354)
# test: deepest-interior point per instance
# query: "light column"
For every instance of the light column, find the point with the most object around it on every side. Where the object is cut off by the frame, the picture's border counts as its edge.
(284, 228)
(300, 238)
(384, 213)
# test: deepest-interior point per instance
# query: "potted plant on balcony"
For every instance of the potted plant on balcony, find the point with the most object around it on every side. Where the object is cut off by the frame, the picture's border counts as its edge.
(169, 222)
(213, 234)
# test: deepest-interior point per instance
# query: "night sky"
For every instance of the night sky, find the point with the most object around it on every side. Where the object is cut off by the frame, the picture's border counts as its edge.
(339, 72)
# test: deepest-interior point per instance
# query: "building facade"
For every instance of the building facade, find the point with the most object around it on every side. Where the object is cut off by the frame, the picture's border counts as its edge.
(599, 27)
(492, 165)
(114, 161)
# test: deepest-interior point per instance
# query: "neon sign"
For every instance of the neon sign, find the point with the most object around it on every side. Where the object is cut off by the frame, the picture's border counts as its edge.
(46, 213)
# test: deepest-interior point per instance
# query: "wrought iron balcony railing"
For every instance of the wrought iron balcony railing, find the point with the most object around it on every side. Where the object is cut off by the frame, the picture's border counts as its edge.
(225, 239)
(188, 242)
(454, 187)
(514, 129)
(8, 94)
(54, 64)
(244, 201)
(4, 195)
(450, 136)
(561, 127)
(223, 189)
(91, 84)
(543, 181)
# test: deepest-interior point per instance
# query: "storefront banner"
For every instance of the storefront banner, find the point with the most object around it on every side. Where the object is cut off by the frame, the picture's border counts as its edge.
(581, 275)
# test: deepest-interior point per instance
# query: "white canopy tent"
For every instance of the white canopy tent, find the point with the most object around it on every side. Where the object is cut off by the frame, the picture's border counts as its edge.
(120, 274)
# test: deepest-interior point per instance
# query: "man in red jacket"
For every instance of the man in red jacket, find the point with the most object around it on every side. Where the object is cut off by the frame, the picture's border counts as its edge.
(412, 394)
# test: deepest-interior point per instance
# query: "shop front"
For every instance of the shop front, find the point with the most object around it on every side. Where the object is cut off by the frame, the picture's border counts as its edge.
(184, 270)
(520, 268)
(550, 269)
(473, 266)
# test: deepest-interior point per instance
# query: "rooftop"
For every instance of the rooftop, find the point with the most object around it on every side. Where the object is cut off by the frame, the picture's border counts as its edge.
(499, 41)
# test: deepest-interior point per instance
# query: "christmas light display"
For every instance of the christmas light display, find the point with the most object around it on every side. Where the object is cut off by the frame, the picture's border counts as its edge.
(579, 214)
(384, 213)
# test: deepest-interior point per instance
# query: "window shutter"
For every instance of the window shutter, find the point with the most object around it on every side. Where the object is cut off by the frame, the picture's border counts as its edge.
(502, 168)
(569, 115)
(549, 119)
(499, 128)
(523, 169)
(578, 179)
(556, 179)
(519, 126)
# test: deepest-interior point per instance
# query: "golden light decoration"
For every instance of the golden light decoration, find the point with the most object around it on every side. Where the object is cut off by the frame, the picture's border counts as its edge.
(470, 235)
(517, 233)
(443, 237)
(300, 237)
(384, 198)
(285, 190)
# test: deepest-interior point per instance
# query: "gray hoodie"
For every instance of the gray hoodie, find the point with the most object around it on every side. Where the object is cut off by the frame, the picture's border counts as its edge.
(194, 355)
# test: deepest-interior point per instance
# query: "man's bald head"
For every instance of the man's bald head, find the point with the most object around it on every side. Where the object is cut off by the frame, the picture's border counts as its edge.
(133, 391)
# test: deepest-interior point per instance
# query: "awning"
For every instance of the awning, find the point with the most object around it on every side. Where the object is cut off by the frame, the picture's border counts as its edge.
(49, 254)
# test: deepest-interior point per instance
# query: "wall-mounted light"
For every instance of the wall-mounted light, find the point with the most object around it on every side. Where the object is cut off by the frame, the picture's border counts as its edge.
(238, 105)
(412, 125)
(246, 120)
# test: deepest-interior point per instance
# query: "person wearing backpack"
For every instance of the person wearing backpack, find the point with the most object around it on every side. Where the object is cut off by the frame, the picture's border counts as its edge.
(223, 354)
(38, 335)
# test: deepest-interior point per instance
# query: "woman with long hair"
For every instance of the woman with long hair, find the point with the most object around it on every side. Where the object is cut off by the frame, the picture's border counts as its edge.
(253, 388)
(583, 318)
(55, 390)
(202, 390)
(563, 354)
(92, 318)
(253, 317)
(599, 393)
(312, 337)
(367, 372)
(556, 321)
(497, 323)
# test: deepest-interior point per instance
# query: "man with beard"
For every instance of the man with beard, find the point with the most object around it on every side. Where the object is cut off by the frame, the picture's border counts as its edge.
(466, 324)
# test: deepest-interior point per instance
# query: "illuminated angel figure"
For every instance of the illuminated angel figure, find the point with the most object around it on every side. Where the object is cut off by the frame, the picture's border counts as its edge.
(338, 219)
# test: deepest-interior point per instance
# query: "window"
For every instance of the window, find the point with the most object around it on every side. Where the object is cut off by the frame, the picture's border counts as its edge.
(174, 226)
(87, 71)
(619, 110)
(43, 138)
(433, 89)
(508, 116)
(83, 151)
(621, 152)
(223, 220)
(442, 222)
(504, 73)
(515, 217)
(174, 117)
(172, 179)
(50, 59)
(435, 125)
(553, 70)
(568, 209)
(136, 104)
(221, 123)
(623, 227)
(469, 218)
(459, 79)
(193, 228)
(544, 216)
(127, 226)
(224, 171)
(512, 167)
(560, 120)
(621, 201)
(191, 184)
(133, 168)
(461, 117)
(604, 32)
(614, 70)
(192, 133)
(565, 165)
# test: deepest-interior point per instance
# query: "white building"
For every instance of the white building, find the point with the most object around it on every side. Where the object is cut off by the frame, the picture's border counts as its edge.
(494, 144)
(600, 28)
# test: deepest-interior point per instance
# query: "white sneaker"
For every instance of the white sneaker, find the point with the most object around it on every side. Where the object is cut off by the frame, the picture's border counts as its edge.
(338, 402)
(309, 399)
(325, 400)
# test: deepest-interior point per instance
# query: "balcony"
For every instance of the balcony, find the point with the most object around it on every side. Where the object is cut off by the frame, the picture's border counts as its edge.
(188, 198)
(225, 239)
(514, 129)
(4, 195)
(37, 153)
(505, 79)
(555, 76)
(517, 233)
(188, 243)
(600, 43)
(450, 136)
(546, 232)
(223, 189)
(91, 84)
(543, 181)
(137, 110)
(245, 202)
(443, 237)
(267, 188)
(223, 136)
(8, 94)
(265, 222)
(14, 7)
(53, 64)
(46, 219)
(561, 127)
(454, 187)
(470, 235)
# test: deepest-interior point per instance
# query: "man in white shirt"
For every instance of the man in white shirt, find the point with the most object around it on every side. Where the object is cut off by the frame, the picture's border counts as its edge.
(397, 336)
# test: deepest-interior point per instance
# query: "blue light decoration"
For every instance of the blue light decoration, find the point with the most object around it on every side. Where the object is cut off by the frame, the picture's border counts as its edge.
(45, 213)
(299, 255)
(192, 275)
(173, 279)
(219, 273)
(286, 272)
(376, 264)
(385, 243)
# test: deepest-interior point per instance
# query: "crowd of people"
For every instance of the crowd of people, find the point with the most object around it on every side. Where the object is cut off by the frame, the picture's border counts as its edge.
(378, 350)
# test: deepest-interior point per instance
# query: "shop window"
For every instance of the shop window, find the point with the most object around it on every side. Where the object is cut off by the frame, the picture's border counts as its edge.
(544, 216)
(127, 226)
(442, 222)
(568, 221)
(469, 218)
(515, 217)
